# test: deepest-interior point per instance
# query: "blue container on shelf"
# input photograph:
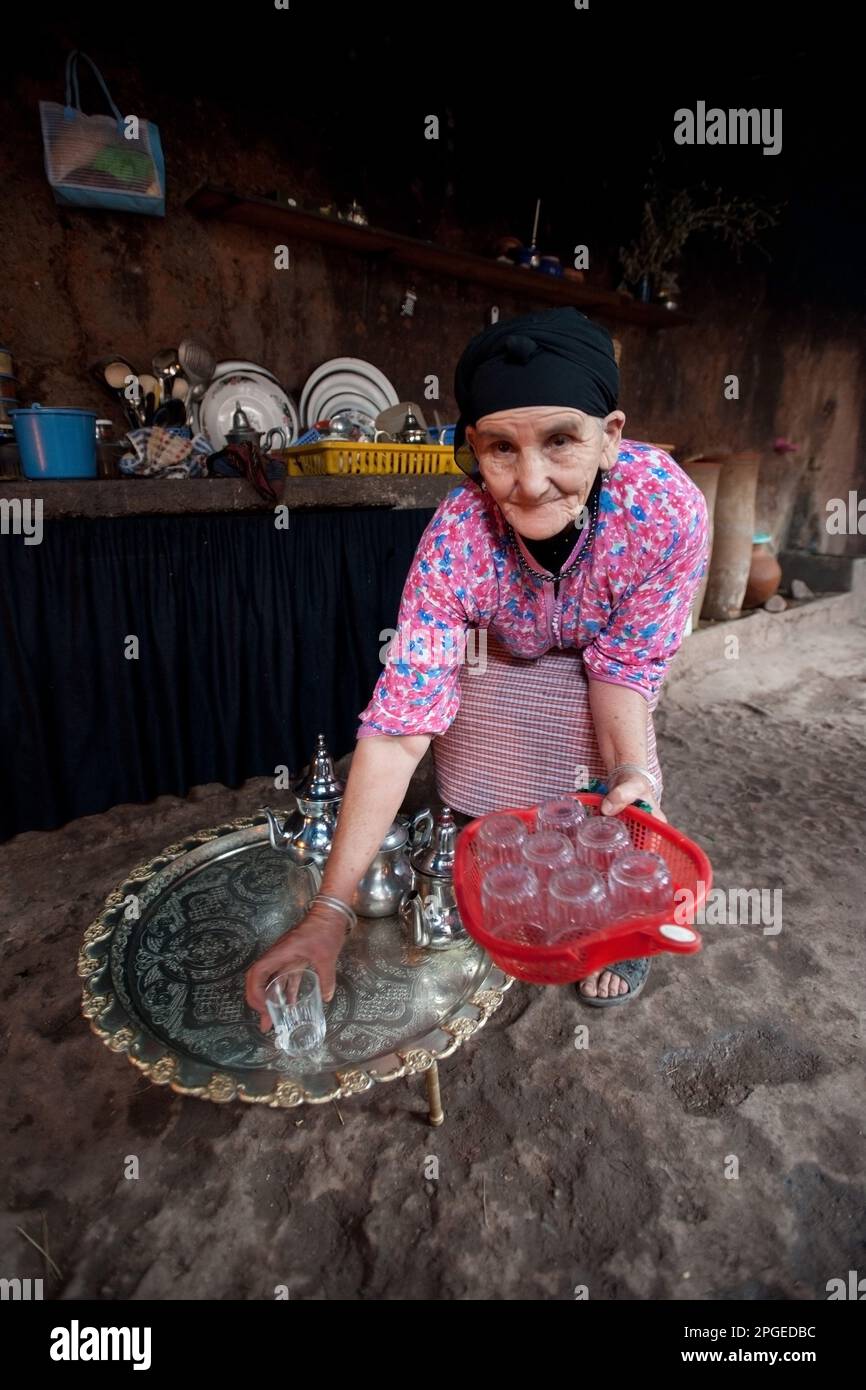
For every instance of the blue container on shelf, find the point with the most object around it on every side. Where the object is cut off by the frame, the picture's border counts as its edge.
(56, 443)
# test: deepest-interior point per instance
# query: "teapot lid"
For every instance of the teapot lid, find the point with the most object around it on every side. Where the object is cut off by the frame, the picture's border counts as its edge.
(320, 782)
(240, 420)
(437, 858)
(397, 835)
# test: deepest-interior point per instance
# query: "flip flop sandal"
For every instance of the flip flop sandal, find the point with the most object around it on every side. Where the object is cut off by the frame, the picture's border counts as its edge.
(634, 972)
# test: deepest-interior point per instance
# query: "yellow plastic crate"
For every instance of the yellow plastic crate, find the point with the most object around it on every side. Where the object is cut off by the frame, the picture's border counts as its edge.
(344, 459)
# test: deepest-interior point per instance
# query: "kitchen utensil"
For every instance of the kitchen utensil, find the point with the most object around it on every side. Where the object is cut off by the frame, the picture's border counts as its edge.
(263, 401)
(56, 443)
(412, 432)
(294, 1001)
(430, 912)
(165, 368)
(599, 840)
(196, 361)
(230, 367)
(546, 853)
(348, 386)
(8, 388)
(363, 375)
(113, 374)
(180, 389)
(563, 815)
(691, 874)
(351, 424)
(577, 902)
(500, 840)
(639, 881)
(307, 833)
(512, 900)
(393, 419)
(171, 414)
(389, 877)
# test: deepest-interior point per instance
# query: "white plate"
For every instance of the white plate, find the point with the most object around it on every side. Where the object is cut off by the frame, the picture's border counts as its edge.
(351, 383)
(229, 368)
(345, 402)
(264, 401)
(354, 365)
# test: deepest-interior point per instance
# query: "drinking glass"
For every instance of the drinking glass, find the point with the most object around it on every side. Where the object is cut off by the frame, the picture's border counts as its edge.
(294, 1001)
(499, 840)
(599, 840)
(577, 903)
(547, 853)
(638, 882)
(513, 906)
(564, 815)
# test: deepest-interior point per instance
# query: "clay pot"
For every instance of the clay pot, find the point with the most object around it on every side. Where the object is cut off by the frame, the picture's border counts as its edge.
(704, 473)
(734, 527)
(765, 573)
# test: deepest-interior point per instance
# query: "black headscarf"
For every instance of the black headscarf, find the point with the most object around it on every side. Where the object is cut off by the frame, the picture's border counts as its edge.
(558, 357)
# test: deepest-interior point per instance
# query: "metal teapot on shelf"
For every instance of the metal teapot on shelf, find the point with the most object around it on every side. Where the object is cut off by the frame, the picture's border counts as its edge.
(388, 878)
(429, 913)
(308, 833)
(243, 431)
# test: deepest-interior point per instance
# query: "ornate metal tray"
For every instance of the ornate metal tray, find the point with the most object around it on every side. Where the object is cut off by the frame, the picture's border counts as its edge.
(164, 967)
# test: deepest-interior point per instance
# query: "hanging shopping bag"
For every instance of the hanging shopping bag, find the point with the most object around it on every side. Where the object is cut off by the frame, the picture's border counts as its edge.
(101, 161)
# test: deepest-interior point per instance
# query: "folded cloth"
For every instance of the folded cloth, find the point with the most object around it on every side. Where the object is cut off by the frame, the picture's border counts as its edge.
(247, 461)
(165, 452)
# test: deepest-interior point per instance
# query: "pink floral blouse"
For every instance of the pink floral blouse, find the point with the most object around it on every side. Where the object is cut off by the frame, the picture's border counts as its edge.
(625, 607)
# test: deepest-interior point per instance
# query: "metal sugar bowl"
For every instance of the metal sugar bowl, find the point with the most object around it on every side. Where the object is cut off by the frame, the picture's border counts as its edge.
(308, 833)
(429, 913)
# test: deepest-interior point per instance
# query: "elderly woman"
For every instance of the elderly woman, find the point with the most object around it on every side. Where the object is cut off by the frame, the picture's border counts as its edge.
(576, 554)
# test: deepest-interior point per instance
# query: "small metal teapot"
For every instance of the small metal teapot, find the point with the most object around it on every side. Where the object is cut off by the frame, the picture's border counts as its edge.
(412, 431)
(308, 833)
(430, 913)
(244, 432)
(389, 876)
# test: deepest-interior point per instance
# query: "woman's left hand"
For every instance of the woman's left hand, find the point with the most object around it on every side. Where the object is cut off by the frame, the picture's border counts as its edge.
(629, 788)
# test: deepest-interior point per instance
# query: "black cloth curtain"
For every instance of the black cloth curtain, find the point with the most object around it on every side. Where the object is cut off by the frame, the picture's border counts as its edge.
(251, 641)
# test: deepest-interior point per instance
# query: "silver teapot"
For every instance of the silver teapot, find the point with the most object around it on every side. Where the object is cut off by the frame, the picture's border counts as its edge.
(429, 913)
(389, 877)
(308, 833)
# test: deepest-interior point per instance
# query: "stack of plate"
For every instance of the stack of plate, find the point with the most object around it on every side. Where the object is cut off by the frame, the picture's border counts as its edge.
(259, 395)
(345, 383)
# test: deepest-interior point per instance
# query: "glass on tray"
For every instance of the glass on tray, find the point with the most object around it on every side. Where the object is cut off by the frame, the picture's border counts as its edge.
(599, 840)
(639, 881)
(513, 904)
(499, 840)
(546, 853)
(564, 815)
(294, 1001)
(577, 904)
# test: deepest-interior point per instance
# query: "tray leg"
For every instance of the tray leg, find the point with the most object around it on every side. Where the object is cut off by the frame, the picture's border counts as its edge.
(434, 1098)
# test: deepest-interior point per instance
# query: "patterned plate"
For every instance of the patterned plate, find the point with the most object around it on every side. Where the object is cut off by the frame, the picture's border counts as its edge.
(164, 967)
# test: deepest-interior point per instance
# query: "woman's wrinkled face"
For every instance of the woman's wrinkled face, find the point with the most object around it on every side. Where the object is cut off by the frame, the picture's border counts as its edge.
(539, 462)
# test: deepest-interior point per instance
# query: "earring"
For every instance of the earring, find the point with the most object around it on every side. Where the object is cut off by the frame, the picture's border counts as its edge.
(483, 485)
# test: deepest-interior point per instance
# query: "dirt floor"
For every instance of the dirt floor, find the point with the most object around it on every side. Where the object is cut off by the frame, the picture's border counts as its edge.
(607, 1167)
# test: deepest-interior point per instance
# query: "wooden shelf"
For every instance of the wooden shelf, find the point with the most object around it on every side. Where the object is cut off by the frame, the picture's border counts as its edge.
(220, 203)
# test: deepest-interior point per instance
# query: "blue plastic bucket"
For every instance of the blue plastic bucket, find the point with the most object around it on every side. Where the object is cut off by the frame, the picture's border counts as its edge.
(56, 443)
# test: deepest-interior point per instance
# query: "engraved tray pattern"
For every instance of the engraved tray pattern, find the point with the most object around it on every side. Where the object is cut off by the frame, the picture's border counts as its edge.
(164, 966)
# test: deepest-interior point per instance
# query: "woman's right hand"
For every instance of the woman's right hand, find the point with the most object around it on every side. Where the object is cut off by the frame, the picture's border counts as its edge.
(316, 941)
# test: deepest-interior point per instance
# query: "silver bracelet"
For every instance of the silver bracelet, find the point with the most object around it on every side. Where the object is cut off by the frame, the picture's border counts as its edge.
(643, 771)
(330, 901)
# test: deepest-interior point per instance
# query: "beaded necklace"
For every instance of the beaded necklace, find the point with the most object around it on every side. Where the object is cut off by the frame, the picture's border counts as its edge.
(563, 573)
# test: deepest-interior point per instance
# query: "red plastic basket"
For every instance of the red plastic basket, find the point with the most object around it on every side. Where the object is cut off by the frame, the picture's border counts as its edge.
(624, 939)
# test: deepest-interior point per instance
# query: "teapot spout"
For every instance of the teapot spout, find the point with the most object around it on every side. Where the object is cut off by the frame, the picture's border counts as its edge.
(279, 836)
(413, 919)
